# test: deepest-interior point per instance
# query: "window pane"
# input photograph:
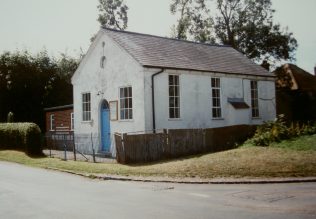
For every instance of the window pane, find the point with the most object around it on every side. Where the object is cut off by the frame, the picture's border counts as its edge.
(177, 113)
(214, 102)
(126, 103)
(176, 93)
(176, 102)
(214, 93)
(171, 80)
(125, 113)
(171, 112)
(171, 102)
(171, 91)
(176, 79)
(125, 92)
(130, 105)
(130, 113)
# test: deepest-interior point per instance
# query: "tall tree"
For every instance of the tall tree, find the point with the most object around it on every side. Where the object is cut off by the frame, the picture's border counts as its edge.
(193, 23)
(247, 25)
(30, 83)
(113, 14)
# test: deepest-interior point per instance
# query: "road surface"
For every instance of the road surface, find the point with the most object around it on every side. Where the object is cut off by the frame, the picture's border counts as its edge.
(27, 192)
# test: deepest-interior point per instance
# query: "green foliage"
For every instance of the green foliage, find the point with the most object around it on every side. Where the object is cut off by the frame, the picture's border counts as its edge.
(275, 131)
(246, 25)
(194, 22)
(21, 136)
(284, 79)
(10, 118)
(29, 83)
(302, 143)
(113, 14)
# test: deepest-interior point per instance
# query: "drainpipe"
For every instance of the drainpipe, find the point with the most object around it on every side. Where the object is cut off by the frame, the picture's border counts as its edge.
(153, 97)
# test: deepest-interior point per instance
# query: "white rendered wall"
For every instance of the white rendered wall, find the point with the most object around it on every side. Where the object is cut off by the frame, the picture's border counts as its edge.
(195, 100)
(120, 70)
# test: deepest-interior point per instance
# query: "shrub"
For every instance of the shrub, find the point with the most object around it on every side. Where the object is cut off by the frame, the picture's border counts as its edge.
(21, 136)
(275, 131)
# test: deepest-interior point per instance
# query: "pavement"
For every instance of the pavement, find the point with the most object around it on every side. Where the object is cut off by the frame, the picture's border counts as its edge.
(27, 192)
(195, 180)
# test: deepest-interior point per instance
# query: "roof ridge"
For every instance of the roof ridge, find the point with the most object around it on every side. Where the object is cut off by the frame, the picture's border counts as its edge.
(166, 38)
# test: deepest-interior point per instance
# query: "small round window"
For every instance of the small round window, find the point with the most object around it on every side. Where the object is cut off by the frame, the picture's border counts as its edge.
(102, 61)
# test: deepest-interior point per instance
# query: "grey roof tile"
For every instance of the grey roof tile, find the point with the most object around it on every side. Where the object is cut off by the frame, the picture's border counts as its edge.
(154, 51)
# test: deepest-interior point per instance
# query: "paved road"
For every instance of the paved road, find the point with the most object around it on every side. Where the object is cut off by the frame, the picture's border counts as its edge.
(36, 193)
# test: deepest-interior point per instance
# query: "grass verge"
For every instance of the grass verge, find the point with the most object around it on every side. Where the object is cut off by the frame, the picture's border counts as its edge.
(241, 162)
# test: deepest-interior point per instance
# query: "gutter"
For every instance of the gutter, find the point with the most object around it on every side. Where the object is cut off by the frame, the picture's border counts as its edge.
(153, 97)
(265, 75)
(70, 106)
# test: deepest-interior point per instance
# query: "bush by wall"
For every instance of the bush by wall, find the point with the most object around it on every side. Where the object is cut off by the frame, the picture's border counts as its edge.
(275, 131)
(21, 136)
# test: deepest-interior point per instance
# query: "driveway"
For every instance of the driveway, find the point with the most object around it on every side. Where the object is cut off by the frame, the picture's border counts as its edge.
(27, 192)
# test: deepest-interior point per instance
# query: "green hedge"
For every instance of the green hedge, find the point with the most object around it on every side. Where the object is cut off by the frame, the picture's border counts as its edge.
(21, 136)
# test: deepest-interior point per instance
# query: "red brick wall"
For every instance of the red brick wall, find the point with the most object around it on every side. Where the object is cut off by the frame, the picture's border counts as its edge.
(62, 119)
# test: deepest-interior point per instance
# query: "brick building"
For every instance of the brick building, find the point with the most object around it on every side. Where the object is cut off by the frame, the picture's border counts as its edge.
(59, 119)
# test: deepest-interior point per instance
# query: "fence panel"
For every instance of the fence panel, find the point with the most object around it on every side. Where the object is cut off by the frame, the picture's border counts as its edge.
(178, 142)
(224, 138)
(185, 142)
(120, 153)
(143, 147)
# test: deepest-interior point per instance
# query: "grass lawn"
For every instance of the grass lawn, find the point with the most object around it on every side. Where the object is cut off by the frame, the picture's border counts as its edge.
(286, 159)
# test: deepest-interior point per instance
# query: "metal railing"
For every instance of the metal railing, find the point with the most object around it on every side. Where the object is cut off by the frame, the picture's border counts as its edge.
(79, 147)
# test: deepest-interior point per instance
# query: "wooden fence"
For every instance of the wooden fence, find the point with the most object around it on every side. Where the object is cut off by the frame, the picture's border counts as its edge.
(175, 143)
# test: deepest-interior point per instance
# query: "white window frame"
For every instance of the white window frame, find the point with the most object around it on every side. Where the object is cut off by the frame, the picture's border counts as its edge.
(126, 103)
(52, 122)
(217, 107)
(174, 109)
(72, 119)
(255, 113)
(86, 107)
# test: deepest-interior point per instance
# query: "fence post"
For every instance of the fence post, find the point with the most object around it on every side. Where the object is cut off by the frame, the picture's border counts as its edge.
(165, 145)
(65, 152)
(123, 148)
(50, 145)
(204, 140)
(93, 153)
(74, 146)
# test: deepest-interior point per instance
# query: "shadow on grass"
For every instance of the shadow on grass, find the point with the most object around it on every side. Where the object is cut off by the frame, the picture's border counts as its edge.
(33, 156)
(170, 160)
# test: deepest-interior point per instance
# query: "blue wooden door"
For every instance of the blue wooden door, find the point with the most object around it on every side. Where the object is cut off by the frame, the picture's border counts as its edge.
(105, 129)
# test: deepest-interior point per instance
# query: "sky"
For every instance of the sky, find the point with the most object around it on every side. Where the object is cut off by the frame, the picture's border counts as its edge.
(66, 26)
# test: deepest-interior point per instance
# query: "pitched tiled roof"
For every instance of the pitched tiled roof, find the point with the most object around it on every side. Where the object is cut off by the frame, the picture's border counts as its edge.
(160, 52)
(305, 81)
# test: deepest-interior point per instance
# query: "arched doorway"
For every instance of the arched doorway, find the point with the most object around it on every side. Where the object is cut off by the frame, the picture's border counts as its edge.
(105, 126)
